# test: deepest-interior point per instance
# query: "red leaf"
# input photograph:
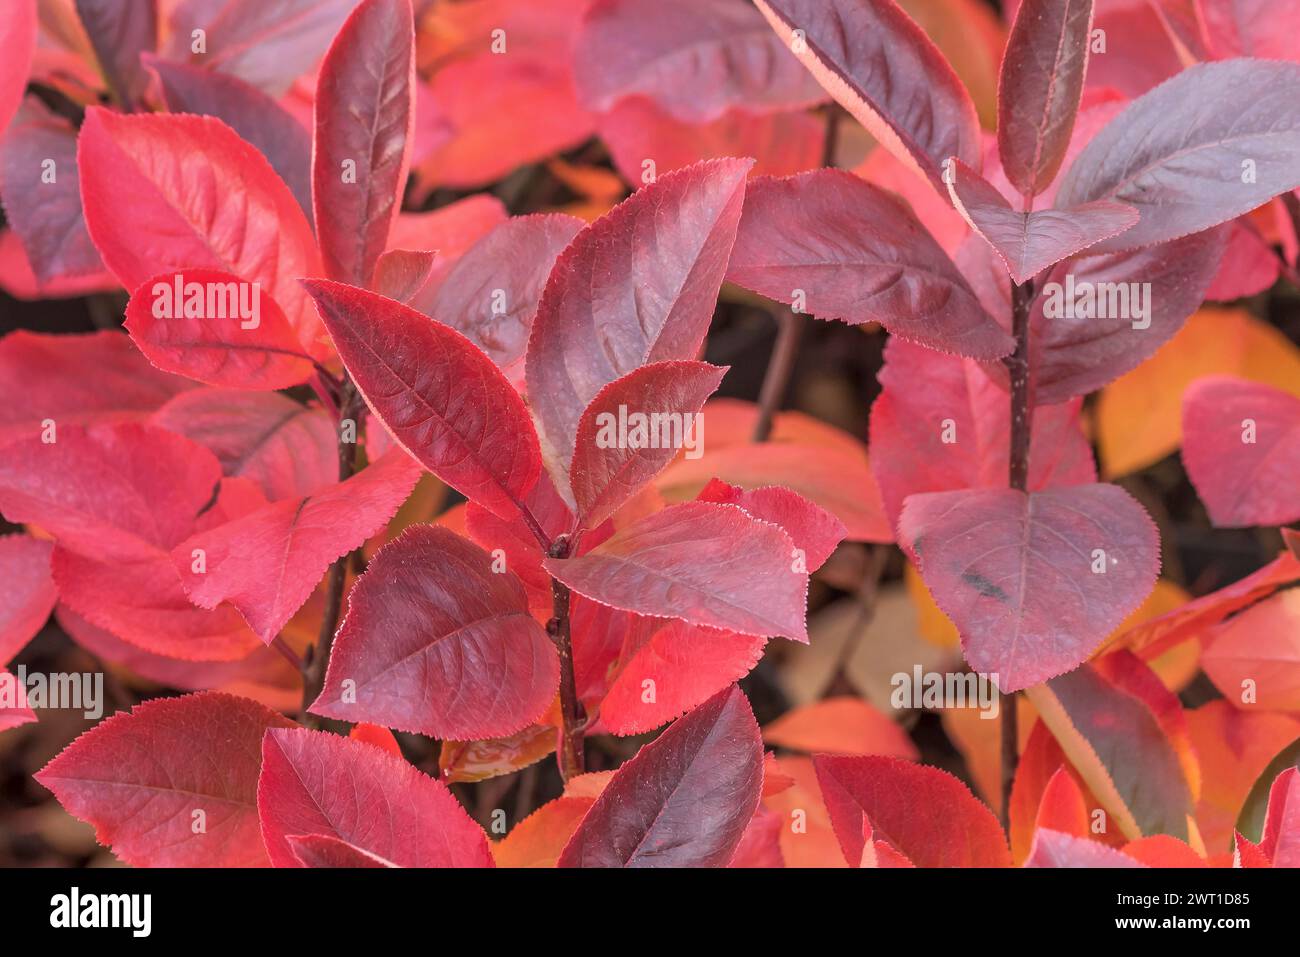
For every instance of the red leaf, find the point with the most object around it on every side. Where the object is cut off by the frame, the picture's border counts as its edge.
(380, 737)
(696, 58)
(119, 31)
(1281, 838)
(857, 254)
(401, 273)
(761, 844)
(1241, 448)
(27, 595)
(941, 424)
(813, 530)
(1029, 242)
(636, 129)
(76, 380)
(321, 850)
(685, 665)
(119, 492)
(45, 214)
(256, 117)
(881, 67)
(437, 641)
(615, 456)
(1175, 154)
(482, 116)
(684, 800)
(1249, 28)
(267, 563)
(118, 498)
(14, 712)
(1034, 582)
(365, 123)
(163, 193)
(702, 563)
(1248, 854)
(642, 283)
(1054, 849)
(17, 42)
(1040, 87)
(213, 327)
(441, 398)
(1063, 807)
(317, 783)
(140, 779)
(885, 793)
(492, 292)
(266, 44)
(288, 449)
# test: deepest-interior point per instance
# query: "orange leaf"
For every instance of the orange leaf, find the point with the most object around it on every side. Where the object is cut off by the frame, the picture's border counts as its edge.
(844, 725)
(1139, 417)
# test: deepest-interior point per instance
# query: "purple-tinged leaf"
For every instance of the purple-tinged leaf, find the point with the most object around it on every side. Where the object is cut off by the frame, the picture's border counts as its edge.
(401, 273)
(1202, 148)
(1097, 317)
(42, 194)
(1241, 447)
(638, 285)
(437, 642)
(1058, 849)
(848, 250)
(248, 111)
(696, 58)
(492, 293)
(699, 562)
(633, 428)
(881, 67)
(119, 31)
(365, 124)
(1040, 87)
(441, 398)
(1034, 582)
(268, 43)
(684, 800)
(1029, 242)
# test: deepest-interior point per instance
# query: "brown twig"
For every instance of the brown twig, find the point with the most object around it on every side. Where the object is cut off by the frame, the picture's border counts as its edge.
(570, 754)
(777, 378)
(318, 656)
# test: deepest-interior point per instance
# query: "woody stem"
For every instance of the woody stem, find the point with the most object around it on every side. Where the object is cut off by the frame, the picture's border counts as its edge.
(573, 717)
(313, 679)
(1022, 296)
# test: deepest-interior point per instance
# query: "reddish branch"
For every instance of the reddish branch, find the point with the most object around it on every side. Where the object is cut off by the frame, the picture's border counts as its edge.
(777, 378)
(573, 717)
(317, 659)
(1022, 296)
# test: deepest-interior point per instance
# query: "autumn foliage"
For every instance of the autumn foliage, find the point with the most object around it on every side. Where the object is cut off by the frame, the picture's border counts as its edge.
(416, 510)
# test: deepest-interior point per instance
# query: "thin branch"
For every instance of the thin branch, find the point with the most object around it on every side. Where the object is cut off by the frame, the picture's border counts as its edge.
(776, 380)
(569, 755)
(1022, 297)
(318, 657)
